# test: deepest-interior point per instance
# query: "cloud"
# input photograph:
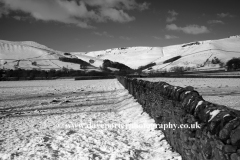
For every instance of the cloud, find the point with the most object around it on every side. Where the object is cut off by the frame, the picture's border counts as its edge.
(17, 18)
(78, 12)
(215, 22)
(172, 27)
(171, 19)
(105, 34)
(190, 29)
(224, 15)
(172, 16)
(144, 6)
(3, 11)
(116, 15)
(119, 4)
(54, 10)
(171, 37)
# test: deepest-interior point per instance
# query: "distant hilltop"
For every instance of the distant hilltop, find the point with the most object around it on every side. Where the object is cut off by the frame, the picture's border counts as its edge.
(193, 55)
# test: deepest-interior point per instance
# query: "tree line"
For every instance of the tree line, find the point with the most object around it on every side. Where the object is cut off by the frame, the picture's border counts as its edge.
(22, 74)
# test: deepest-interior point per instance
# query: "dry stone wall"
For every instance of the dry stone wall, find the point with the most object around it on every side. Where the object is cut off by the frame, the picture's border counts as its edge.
(218, 137)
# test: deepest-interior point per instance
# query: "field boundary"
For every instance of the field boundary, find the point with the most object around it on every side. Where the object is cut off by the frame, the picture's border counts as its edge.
(219, 135)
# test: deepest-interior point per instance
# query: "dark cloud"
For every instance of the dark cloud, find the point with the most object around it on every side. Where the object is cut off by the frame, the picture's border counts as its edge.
(3, 10)
(75, 12)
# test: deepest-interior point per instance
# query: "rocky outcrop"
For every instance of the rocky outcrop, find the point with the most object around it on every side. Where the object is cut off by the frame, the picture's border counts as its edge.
(218, 135)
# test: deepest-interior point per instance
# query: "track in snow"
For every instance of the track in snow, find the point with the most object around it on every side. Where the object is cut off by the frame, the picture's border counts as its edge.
(41, 119)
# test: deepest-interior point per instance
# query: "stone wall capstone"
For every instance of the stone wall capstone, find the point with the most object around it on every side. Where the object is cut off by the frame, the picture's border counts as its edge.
(218, 137)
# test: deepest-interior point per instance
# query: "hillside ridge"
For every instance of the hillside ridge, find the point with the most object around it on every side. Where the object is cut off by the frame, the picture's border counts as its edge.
(193, 54)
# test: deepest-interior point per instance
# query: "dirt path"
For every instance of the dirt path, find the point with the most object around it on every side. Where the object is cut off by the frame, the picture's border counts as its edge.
(82, 120)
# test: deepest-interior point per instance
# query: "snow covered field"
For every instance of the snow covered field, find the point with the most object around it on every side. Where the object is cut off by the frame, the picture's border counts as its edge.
(223, 91)
(58, 120)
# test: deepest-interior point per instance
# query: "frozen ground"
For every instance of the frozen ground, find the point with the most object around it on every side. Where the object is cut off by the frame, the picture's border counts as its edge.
(224, 91)
(55, 120)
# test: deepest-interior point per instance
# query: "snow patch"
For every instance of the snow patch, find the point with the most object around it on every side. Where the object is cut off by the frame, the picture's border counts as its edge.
(227, 115)
(165, 86)
(187, 92)
(199, 103)
(213, 114)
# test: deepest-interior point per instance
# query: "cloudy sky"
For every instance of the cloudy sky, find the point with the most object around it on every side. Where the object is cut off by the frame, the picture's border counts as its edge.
(87, 25)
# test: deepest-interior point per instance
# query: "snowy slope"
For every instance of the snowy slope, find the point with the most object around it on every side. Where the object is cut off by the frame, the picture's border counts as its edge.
(132, 56)
(193, 54)
(31, 55)
(96, 62)
(196, 55)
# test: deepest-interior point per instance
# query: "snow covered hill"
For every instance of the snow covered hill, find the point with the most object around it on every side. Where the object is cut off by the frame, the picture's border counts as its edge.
(198, 55)
(194, 54)
(30, 55)
(132, 56)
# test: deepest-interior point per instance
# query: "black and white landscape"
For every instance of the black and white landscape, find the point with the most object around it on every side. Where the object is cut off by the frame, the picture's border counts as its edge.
(44, 45)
